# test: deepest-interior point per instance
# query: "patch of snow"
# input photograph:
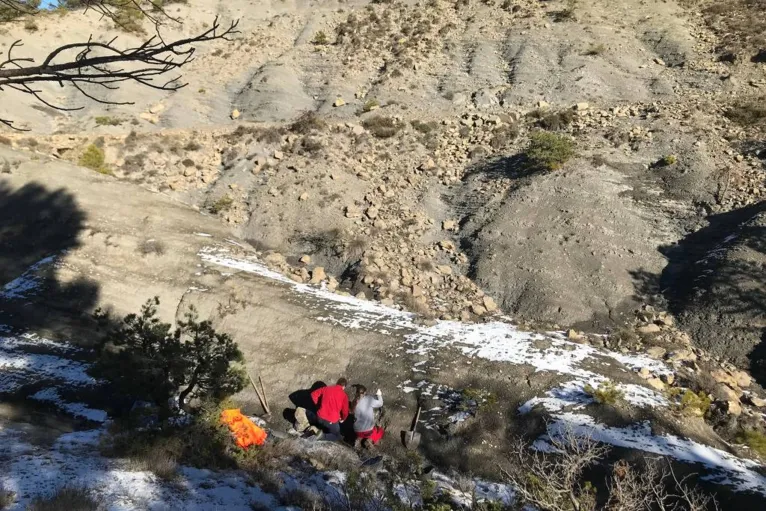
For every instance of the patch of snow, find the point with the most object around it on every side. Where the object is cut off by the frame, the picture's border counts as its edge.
(726, 468)
(51, 395)
(19, 368)
(203, 234)
(23, 285)
(34, 471)
(494, 341)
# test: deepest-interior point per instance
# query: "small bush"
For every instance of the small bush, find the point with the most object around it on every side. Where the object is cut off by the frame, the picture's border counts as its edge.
(554, 121)
(424, 127)
(749, 113)
(382, 127)
(503, 136)
(595, 49)
(31, 26)
(754, 439)
(105, 120)
(155, 247)
(307, 123)
(689, 402)
(94, 159)
(192, 146)
(607, 393)
(129, 17)
(548, 151)
(221, 204)
(320, 39)
(666, 161)
(158, 461)
(5, 141)
(69, 499)
(311, 145)
(7, 498)
(187, 162)
(370, 104)
(567, 13)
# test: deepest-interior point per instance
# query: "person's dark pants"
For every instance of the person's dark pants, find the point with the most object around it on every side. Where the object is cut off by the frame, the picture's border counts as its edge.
(332, 428)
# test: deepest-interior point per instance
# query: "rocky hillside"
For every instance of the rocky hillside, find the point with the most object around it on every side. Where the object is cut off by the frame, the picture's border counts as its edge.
(437, 180)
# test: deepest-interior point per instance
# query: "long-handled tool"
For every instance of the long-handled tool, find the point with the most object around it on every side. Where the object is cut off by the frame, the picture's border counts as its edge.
(261, 397)
(411, 438)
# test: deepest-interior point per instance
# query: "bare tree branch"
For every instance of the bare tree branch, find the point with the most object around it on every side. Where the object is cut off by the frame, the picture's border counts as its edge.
(105, 64)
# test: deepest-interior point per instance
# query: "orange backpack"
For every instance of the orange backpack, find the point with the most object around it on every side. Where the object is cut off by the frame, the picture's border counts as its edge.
(245, 432)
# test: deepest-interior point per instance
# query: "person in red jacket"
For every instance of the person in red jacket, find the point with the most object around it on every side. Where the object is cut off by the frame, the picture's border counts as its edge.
(332, 406)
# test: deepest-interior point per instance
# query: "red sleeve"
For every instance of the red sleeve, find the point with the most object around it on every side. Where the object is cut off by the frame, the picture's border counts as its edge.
(344, 408)
(317, 394)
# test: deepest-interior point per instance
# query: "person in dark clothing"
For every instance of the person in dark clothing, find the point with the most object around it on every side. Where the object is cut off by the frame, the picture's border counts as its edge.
(332, 406)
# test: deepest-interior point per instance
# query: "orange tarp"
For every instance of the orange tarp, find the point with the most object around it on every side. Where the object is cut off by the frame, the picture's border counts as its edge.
(245, 432)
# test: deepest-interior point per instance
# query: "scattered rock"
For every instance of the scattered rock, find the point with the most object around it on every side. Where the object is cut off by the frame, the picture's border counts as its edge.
(339, 102)
(448, 225)
(353, 212)
(580, 107)
(275, 258)
(649, 329)
(303, 197)
(489, 303)
(235, 114)
(485, 98)
(479, 310)
(656, 352)
(656, 383)
(305, 259)
(278, 155)
(318, 275)
(372, 212)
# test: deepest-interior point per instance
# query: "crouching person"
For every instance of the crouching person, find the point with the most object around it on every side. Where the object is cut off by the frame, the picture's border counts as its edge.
(332, 408)
(363, 407)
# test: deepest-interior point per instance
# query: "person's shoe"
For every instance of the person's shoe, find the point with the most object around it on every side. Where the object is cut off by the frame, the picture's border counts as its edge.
(366, 444)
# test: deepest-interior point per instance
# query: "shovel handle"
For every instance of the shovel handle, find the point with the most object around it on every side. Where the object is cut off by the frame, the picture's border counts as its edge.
(415, 426)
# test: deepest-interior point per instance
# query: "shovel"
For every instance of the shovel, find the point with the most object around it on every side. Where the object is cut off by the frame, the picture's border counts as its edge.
(411, 439)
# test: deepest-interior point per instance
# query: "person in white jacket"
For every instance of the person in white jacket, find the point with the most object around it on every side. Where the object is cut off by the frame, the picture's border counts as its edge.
(363, 407)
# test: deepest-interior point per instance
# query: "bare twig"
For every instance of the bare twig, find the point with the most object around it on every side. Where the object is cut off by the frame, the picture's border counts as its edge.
(105, 64)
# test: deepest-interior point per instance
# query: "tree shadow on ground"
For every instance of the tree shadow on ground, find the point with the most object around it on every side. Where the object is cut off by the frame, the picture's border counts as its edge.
(37, 226)
(715, 282)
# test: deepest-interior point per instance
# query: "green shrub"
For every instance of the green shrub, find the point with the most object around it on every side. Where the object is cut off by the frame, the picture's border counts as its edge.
(666, 161)
(424, 127)
(595, 49)
(221, 204)
(304, 125)
(607, 393)
(105, 120)
(754, 439)
(129, 17)
(145, 359)
(94, 159)
(689, 402)
(30, 25)
(553, 121)
(382, 127)
(320, 38)
(549, 151)
(69, 499)
(370, 104)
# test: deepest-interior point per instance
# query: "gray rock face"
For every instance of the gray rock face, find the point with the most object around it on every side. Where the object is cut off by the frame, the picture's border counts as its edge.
(564, 247)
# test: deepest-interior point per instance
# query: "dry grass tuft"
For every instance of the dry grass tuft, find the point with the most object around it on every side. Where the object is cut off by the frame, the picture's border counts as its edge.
(67, 499)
